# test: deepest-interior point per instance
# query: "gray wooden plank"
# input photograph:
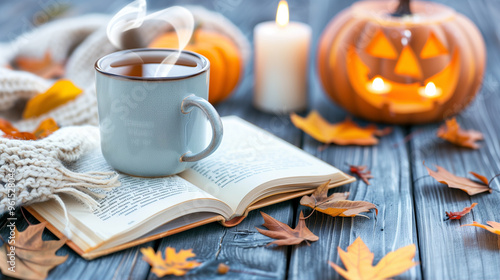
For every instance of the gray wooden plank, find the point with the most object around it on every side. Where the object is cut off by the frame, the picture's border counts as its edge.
(242, 247)
(390, 190)
(449, 251)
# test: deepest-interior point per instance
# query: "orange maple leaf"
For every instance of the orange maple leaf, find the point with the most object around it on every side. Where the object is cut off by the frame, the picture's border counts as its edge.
(342, 133)
(34, 257)
(453, 133)
(44, 67)
(358, 262)
(494, 227)
(443, 176)
(174, 263)
(460, 214)
(285, 234)
(44, 129)
(335, 204)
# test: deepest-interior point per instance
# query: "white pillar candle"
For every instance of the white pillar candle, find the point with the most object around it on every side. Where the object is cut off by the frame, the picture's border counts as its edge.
(281, 60)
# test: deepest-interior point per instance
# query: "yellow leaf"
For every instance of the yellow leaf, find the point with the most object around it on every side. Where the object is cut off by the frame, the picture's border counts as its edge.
(174, 263)
(342, 133)
(494, 227)
(46, 128)
(358, 262)
(60, 93)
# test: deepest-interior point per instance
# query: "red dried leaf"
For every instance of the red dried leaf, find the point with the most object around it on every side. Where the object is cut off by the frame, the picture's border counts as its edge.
(460, 214)
(361, 172)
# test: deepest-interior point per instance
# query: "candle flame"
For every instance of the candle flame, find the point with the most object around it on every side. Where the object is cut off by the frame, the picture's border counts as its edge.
(282, 14)
(378, 84)
(430, 90)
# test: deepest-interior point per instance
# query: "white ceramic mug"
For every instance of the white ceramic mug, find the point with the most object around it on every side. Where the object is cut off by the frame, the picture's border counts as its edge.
(147, 124)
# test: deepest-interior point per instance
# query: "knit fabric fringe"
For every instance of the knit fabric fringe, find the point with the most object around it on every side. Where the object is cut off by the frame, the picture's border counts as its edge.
(33, 171)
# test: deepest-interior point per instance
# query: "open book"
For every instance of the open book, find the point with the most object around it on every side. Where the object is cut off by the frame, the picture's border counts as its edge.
(251, 169)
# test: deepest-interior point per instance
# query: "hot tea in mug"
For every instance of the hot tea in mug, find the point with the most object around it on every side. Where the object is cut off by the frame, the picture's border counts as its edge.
(147, 121)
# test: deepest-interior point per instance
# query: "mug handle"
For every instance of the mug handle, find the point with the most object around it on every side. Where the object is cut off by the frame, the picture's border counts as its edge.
(194, 101)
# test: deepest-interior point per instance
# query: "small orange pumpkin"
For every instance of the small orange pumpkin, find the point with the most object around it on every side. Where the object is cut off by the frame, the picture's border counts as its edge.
(224, 56)
(401, 67)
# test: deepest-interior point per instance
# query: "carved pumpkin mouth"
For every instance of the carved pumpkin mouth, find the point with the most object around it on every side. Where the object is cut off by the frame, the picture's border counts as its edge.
(418, 95)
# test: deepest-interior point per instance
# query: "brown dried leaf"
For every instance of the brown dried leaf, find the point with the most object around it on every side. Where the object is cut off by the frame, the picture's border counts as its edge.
(34, 256)
(335, 204)
(342, 133)
(174, 263)
(453, 133)
(455, 182)
(358, 262)
(362, 173)
(285, 234)
(460, 214)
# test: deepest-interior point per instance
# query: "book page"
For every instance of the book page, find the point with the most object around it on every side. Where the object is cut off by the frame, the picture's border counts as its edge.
(127, 206)
(248, 157)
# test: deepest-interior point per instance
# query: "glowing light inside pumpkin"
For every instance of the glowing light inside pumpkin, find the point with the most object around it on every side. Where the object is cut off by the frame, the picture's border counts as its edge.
(430, 90)
(379, 86)
(282, 15)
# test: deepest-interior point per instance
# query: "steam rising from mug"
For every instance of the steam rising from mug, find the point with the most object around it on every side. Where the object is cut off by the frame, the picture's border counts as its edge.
(133, 15)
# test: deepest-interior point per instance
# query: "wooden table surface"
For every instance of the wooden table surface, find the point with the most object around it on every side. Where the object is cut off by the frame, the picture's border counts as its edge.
(411, 204)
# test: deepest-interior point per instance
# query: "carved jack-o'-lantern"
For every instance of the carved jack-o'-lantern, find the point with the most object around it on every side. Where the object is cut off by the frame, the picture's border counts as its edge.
(401, 67)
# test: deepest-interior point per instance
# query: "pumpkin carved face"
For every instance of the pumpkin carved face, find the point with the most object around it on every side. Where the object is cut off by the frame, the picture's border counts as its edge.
(401, 70)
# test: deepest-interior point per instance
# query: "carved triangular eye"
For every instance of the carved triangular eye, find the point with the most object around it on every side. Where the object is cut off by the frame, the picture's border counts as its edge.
(433, 47)
(381, 47)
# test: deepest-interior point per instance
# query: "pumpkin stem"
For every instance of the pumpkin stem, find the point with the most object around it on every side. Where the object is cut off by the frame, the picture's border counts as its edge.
(403, 9)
